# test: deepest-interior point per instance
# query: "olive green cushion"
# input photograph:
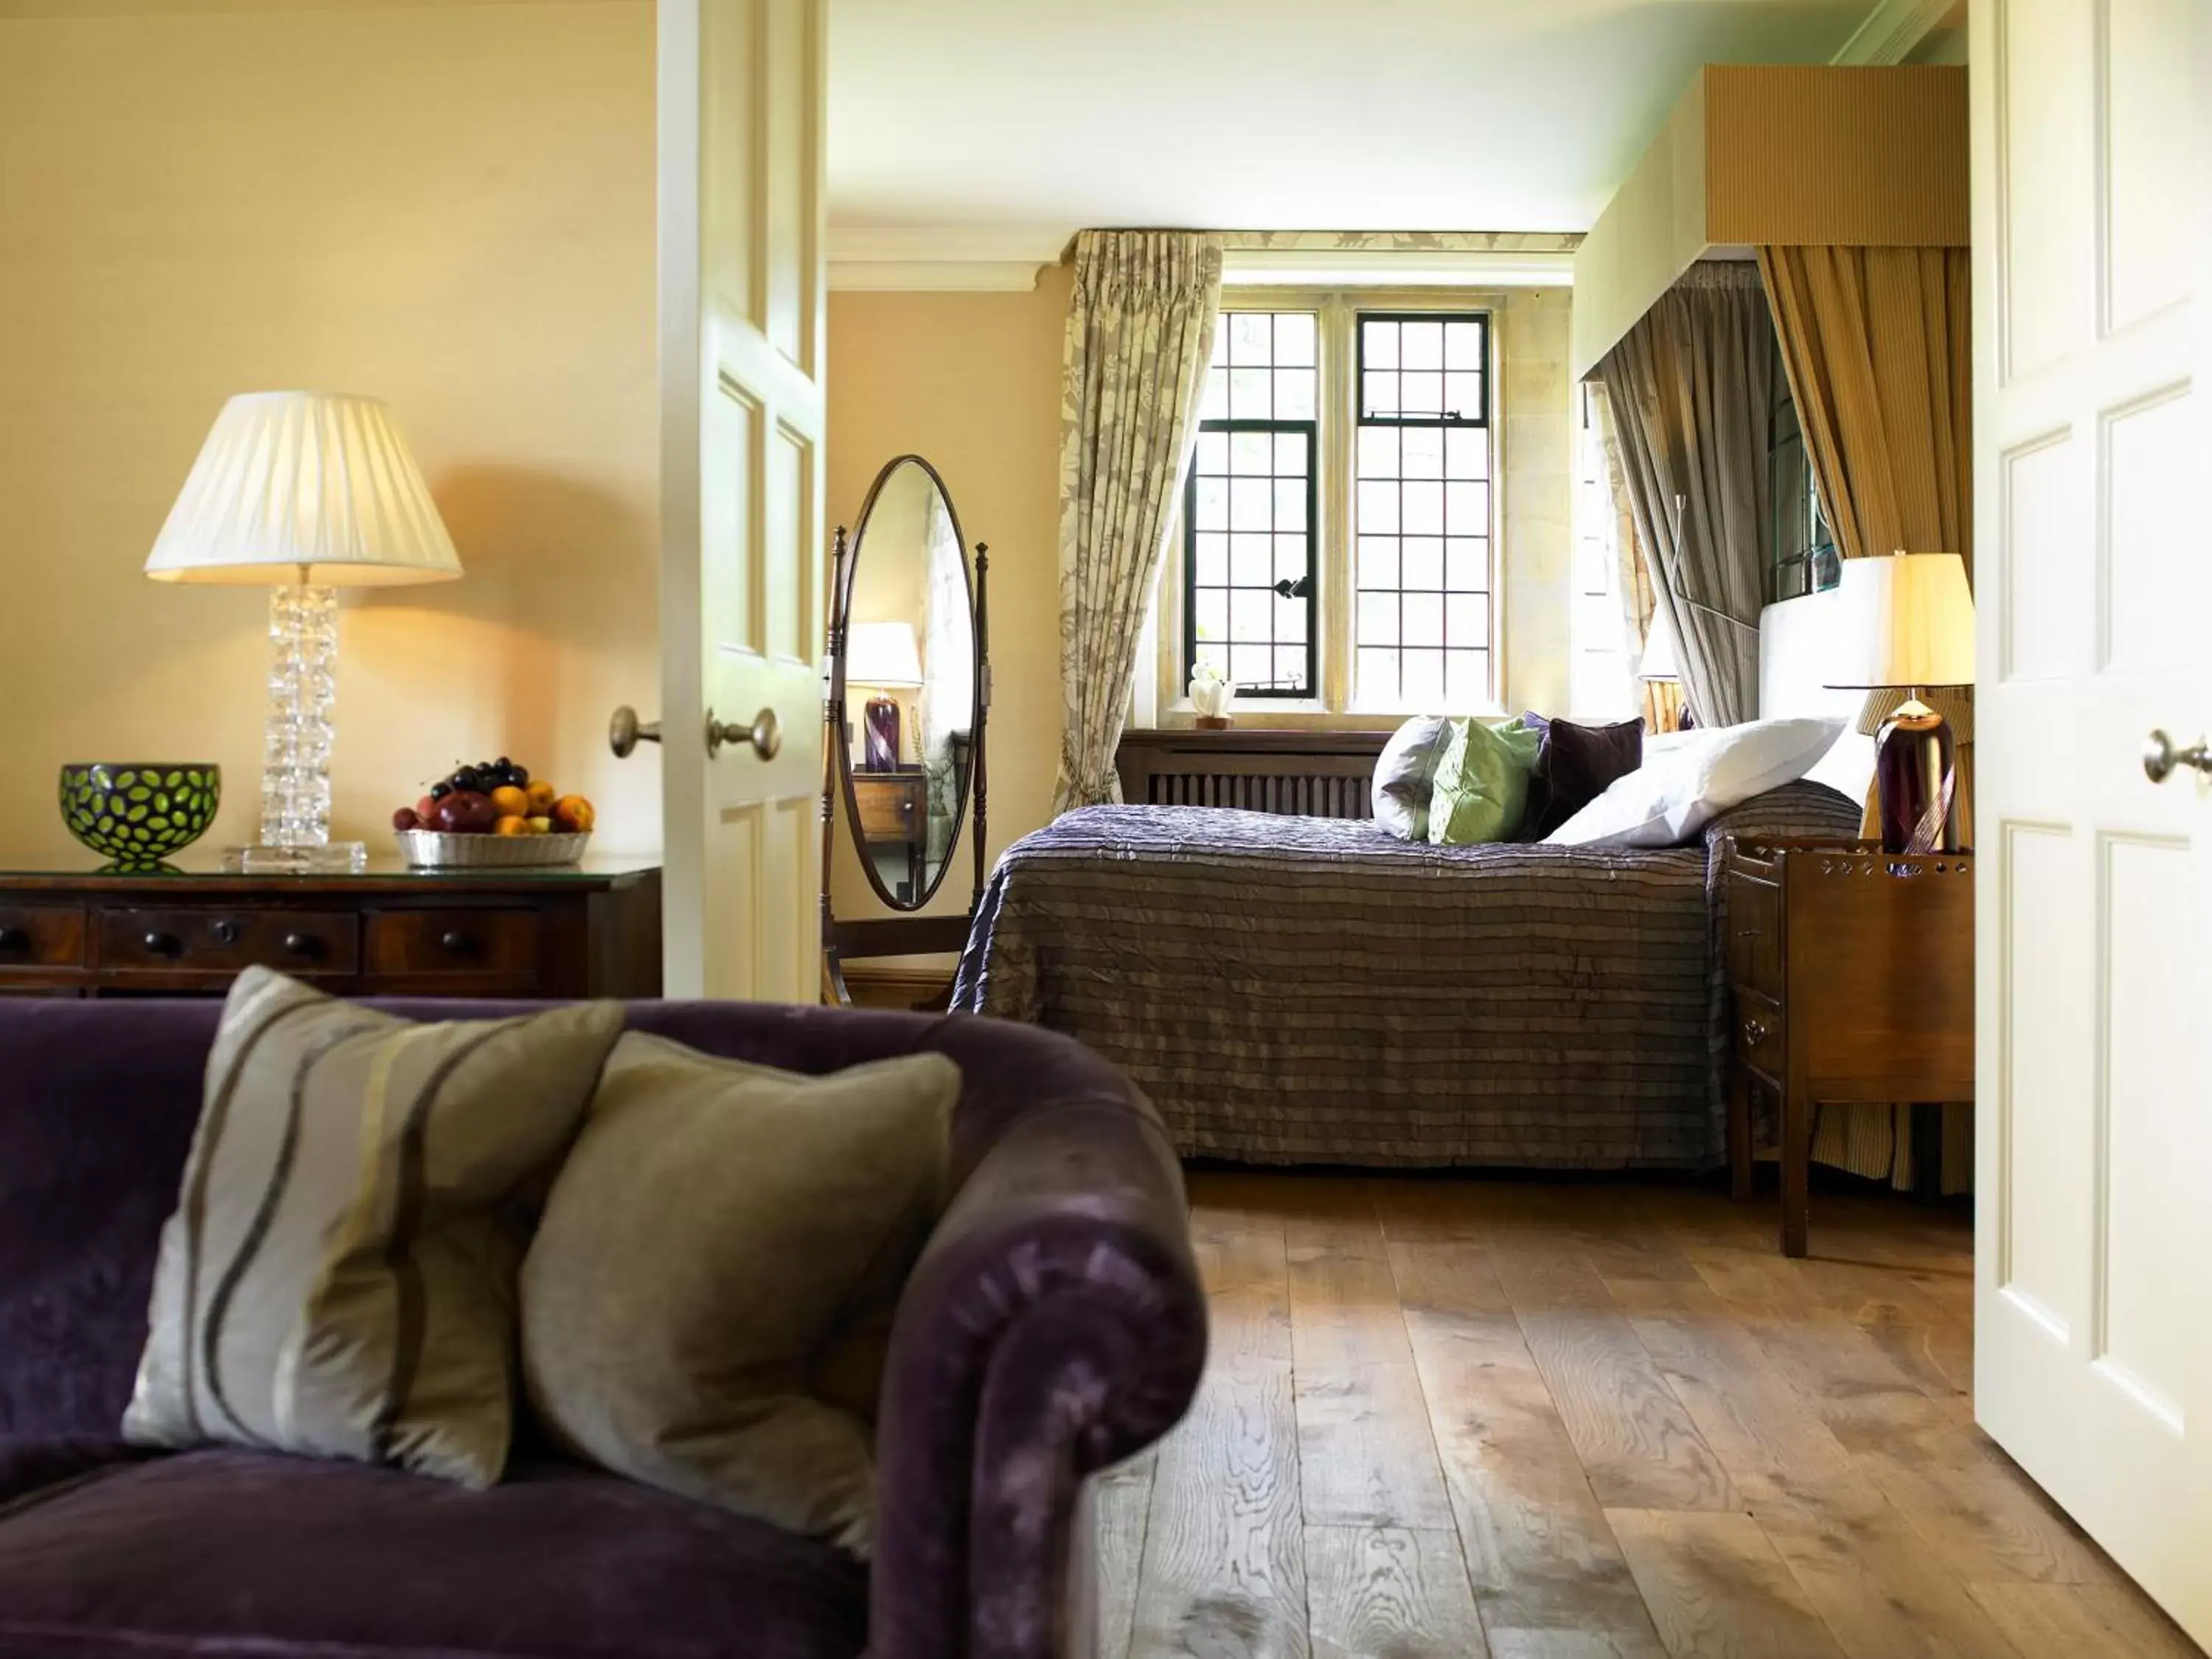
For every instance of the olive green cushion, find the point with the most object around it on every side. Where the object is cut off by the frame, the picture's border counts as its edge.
(339, 1277)
(708, 1304)
(1481, 782)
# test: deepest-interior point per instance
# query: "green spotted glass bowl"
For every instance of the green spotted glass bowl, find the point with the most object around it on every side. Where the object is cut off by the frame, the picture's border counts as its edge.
(139, 812)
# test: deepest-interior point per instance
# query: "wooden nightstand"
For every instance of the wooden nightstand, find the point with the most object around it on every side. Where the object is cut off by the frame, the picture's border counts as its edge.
(593, 930)
(1853, 974)
(894, 808)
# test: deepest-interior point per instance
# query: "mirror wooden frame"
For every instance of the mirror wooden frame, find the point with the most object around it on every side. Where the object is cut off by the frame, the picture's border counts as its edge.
(906, 933)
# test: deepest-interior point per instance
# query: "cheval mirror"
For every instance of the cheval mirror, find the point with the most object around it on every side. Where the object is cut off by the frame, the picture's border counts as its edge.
(909, 681)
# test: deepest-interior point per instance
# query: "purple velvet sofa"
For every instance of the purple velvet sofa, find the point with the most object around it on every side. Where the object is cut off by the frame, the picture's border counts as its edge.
(1053, 1325)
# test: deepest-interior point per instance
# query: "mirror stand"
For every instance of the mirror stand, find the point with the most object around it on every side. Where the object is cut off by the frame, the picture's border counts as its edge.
(845, 941)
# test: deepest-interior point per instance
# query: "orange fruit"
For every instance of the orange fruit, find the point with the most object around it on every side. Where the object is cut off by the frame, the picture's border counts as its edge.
(510, 802)
(542, 797)
(511, 825)
(574, 813)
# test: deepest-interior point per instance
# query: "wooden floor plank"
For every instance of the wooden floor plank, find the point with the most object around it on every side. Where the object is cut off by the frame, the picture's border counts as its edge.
(1549, 1577)
(1767, 1438)
(1638, 1442)
(1383, 1590)
(1123, 1499)
(1365, 1457)
(1715, 1587)
(1873, 1580)
(1420, 1391)
(1241, 1261)
(2083, 1619)
(1224, 1568)
(1344, 1301)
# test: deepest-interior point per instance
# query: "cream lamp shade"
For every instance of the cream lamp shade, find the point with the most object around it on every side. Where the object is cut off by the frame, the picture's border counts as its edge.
(1659, 661)
(883, 654)
(1907, 620)
(317, 487)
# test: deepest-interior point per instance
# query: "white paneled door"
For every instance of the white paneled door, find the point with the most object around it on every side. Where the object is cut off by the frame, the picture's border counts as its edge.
(2092, 247)
(742, 280)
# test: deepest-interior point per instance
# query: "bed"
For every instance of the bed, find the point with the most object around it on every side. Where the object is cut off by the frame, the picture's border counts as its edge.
(1301, 990)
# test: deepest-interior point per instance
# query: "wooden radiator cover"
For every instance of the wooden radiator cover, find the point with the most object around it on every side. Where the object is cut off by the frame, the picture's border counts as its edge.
(1322, 775)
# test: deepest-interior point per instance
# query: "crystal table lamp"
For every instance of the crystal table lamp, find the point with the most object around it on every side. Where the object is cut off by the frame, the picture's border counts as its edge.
(887, 656)
(1907, 622)
(310, 491)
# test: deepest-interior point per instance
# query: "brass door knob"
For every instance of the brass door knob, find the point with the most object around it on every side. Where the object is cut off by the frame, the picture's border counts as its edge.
(625, 732)
(2159, 757)
(765, 735)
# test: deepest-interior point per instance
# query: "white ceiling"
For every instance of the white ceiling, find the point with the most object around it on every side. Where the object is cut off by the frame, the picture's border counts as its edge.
(1012, 123)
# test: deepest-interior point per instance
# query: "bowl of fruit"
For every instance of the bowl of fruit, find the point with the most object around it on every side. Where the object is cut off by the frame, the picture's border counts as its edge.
(494, 816)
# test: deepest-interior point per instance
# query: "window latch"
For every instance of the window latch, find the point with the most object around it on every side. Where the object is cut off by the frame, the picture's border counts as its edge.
(1296, 587)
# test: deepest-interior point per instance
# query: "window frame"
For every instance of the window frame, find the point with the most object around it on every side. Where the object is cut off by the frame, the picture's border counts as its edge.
(1311, 430)
(1332, 622)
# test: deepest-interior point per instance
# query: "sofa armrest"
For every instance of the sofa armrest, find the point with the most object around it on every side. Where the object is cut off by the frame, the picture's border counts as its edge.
(1055, 1324)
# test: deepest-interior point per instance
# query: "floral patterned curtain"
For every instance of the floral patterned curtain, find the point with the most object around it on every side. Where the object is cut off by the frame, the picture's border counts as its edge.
(1140, 335)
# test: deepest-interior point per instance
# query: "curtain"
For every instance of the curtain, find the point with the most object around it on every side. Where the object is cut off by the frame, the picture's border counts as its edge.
(1878, 343)
(1634, 576)
(1139, 336)
(1692, 392)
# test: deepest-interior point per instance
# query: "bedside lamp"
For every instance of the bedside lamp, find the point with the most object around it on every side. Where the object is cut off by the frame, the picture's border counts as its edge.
(887, 656)
(309, 491)
(1907, 623)
(1660, 674)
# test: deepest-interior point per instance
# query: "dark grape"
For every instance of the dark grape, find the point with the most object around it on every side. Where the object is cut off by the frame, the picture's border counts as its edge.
(440, 791)
(519, 776)
(467, 780)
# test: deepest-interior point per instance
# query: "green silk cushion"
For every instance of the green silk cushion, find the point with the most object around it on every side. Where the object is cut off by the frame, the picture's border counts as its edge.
(707, 1306)
(1481, 782)
(339, 1277)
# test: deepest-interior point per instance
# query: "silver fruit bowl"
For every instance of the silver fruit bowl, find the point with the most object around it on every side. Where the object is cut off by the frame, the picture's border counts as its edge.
(432, 849)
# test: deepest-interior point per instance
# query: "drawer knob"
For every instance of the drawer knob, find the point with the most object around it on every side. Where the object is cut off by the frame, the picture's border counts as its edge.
(14, 939)
(225, 932)
(456, 941)
(303, 944)
(163, 945)
(1755, 1031)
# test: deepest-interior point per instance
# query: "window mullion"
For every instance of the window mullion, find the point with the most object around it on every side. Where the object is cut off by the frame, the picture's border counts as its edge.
(1339, 433)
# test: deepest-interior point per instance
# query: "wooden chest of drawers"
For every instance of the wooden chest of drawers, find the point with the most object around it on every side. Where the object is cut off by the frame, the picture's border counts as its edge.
(1853, 974)
(553, 933)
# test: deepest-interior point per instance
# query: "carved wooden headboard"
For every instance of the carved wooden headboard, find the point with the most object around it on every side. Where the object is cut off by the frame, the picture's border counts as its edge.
(1322, 775)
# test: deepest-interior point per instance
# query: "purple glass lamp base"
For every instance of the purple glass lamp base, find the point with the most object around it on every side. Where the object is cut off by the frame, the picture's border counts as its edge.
(881, 724)
(1915, 781)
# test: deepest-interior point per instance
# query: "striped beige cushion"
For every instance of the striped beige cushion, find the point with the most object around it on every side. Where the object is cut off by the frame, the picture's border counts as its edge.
(339, 1277)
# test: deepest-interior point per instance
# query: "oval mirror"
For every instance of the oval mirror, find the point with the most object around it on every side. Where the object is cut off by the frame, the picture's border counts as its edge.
(908, 679)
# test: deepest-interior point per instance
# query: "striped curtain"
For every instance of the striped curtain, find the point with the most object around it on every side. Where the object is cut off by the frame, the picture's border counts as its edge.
(1691, 389)
(1878, 343)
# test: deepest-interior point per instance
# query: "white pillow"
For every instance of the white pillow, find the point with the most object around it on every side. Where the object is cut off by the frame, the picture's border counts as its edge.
(1405, 776)
(1682, 788)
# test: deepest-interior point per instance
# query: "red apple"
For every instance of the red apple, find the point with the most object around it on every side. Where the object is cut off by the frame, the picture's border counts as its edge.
(406, 818)
(425, 810)
(465, 812)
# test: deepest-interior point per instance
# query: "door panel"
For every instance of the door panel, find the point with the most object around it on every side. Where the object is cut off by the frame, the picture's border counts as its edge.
(2093, 1367)
(741, 203)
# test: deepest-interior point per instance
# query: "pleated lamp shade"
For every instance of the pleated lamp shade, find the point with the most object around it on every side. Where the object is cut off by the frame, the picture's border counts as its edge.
(315, 487)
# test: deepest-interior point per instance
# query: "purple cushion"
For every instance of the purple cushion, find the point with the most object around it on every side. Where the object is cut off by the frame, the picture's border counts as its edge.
(1575, 765)
(231, 1552)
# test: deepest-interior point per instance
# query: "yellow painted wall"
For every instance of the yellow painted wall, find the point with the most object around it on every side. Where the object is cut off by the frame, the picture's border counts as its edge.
(972, 382)
(450, 207)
